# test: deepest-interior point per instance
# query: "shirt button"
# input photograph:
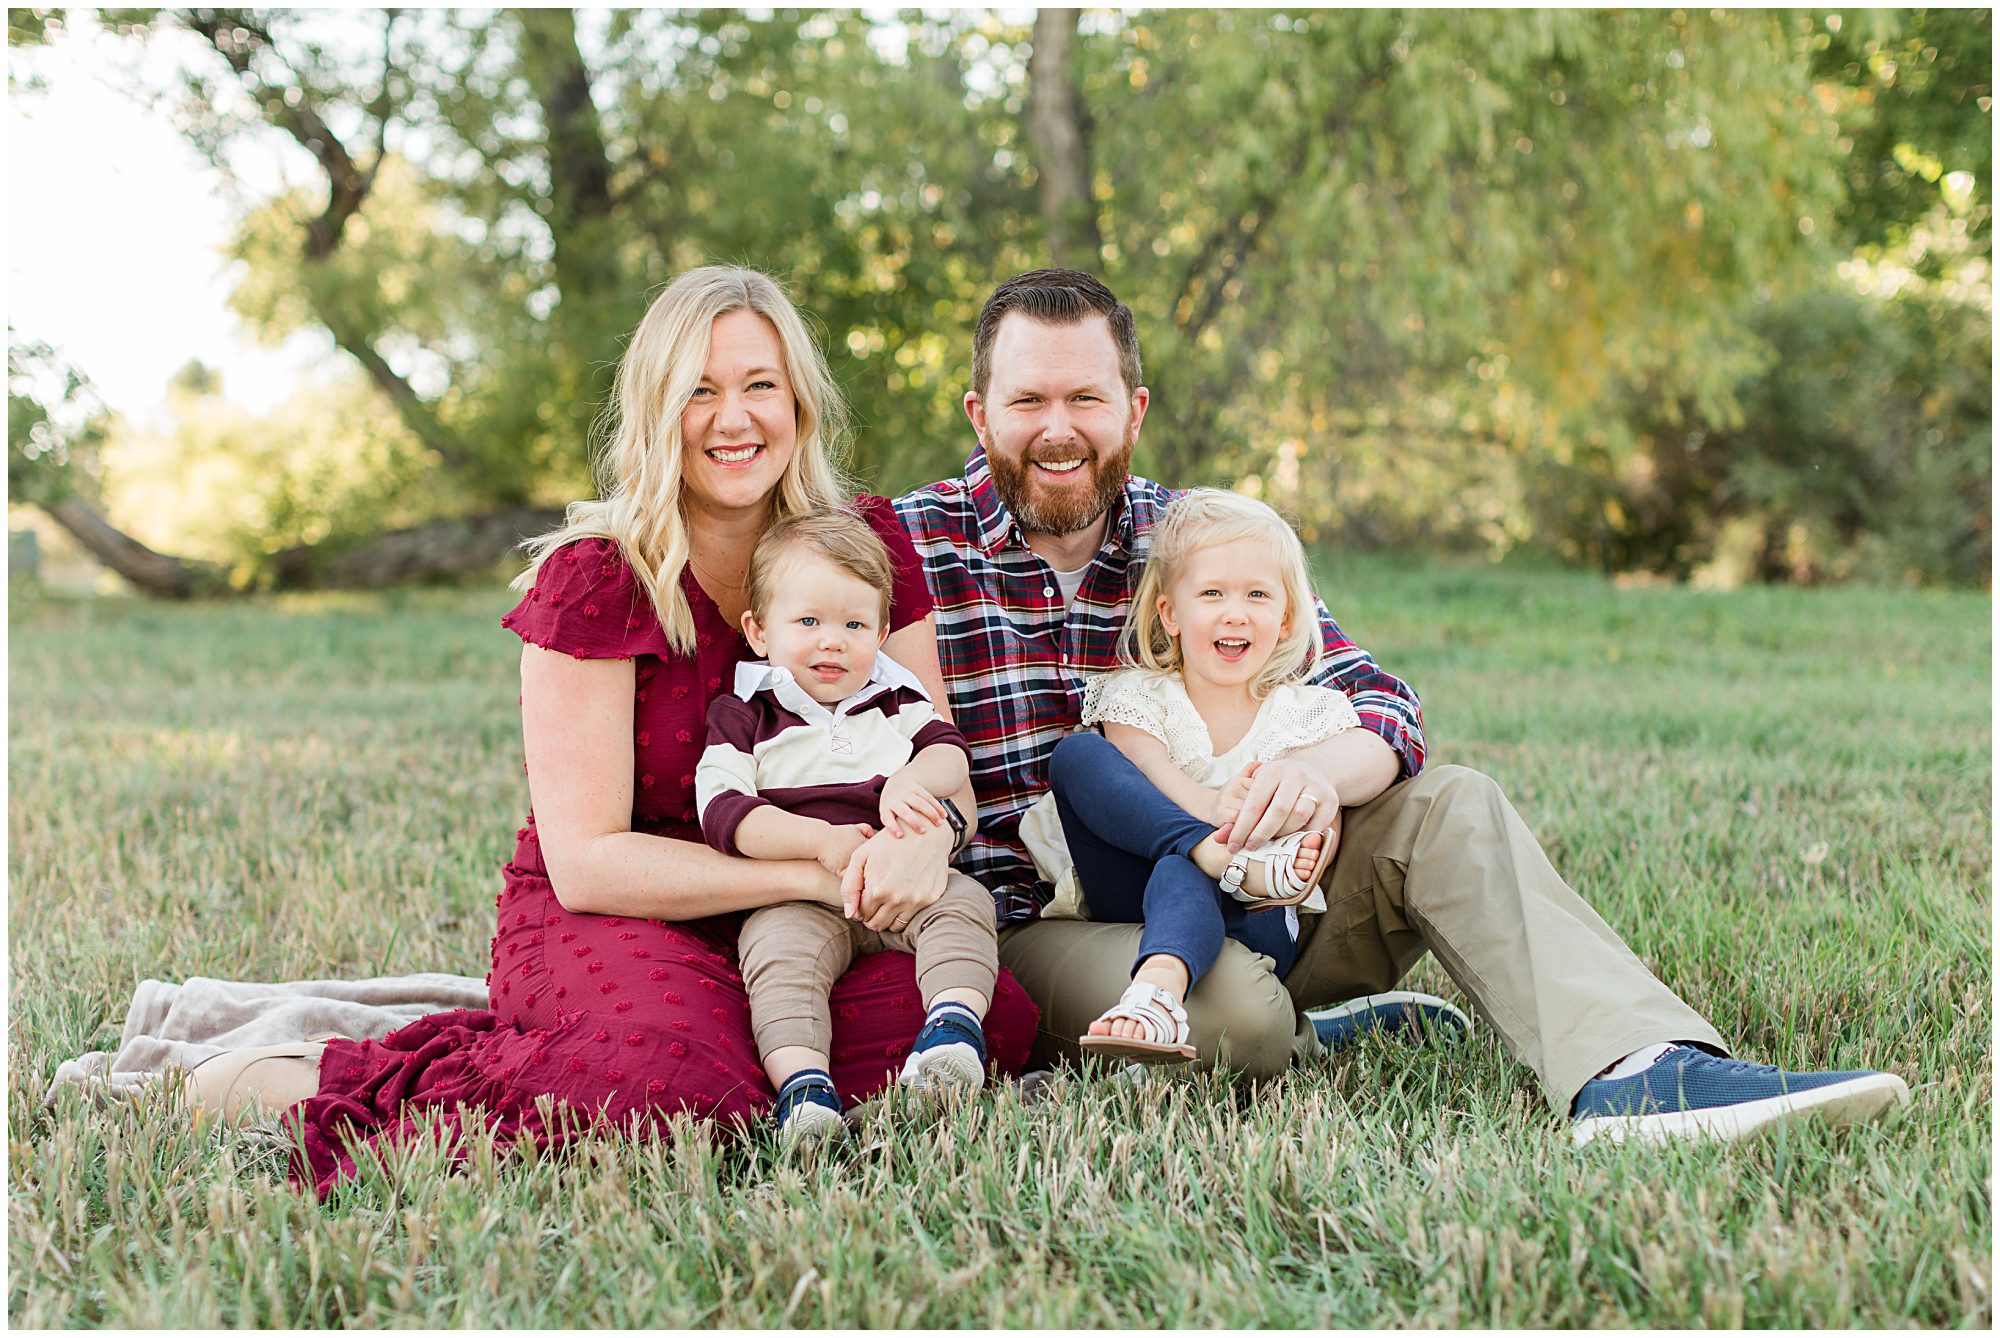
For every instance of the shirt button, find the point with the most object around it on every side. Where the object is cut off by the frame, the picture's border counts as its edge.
(1047, 591)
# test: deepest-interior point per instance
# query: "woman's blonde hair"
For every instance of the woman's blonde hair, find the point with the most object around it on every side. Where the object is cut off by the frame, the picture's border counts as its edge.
(639, 470)
(1203, 516)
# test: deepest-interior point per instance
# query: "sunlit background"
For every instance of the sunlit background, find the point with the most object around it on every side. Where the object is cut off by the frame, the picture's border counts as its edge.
(1680, 296)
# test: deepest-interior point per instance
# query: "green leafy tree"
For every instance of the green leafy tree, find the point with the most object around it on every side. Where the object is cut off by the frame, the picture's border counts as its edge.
(1415, 275)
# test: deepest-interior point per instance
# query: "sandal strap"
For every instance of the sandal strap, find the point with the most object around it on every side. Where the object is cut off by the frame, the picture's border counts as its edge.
(1280, 861)
(1164, 1020)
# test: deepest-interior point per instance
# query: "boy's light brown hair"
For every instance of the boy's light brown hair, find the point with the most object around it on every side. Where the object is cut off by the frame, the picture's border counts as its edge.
(841, 537)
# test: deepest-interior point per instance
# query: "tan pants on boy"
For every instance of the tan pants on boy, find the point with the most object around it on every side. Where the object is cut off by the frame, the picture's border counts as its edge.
(792, 954)
(1439, 863)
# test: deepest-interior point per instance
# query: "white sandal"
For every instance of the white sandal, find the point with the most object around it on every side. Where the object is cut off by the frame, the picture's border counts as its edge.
(1269, 875)
(1162, 1022)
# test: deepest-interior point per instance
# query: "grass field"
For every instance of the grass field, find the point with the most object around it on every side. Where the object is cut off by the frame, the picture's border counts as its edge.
(1782, 798)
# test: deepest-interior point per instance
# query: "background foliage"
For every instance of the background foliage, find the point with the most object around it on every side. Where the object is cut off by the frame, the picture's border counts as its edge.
(1695, 293)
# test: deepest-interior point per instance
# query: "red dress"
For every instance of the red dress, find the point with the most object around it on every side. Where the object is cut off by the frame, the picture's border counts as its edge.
(614, 1017)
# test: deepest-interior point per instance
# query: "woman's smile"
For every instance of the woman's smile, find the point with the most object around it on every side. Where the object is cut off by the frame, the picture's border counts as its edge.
(741, 421)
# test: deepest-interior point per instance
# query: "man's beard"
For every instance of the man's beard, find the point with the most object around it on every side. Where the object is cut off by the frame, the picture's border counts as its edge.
(1075, 509)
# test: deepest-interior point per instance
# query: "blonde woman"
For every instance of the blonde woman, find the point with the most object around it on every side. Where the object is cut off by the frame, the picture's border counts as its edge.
(615, 988)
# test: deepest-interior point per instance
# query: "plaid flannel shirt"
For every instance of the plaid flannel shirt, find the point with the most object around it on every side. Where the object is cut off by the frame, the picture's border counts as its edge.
(1015, 660)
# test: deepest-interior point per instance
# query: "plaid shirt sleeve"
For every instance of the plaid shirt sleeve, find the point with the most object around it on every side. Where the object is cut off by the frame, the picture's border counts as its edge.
(1386, 704)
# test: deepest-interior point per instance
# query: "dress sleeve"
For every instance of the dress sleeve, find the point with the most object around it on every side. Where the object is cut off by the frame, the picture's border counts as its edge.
(909, 598)
(585, 603)
(1127, 697)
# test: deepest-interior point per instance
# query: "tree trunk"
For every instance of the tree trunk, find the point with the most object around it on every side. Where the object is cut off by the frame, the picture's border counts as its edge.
(293, 107)
(440, 550)
(1059, 130)
(157, 574)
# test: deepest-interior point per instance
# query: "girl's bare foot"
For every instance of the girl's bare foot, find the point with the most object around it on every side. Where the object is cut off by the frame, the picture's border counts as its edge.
(1212, 856)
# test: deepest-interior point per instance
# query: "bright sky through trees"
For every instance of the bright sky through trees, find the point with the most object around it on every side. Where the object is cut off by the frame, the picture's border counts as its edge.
(114, 228)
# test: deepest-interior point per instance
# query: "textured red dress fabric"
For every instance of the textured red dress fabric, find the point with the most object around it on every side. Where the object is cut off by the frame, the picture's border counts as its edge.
(618, 1018)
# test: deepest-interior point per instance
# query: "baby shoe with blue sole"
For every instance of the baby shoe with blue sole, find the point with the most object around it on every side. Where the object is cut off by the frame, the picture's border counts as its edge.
(1406, 1014)
(1689, 1093)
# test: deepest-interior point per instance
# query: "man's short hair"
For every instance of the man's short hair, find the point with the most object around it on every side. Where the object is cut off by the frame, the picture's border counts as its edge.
(1055, 297)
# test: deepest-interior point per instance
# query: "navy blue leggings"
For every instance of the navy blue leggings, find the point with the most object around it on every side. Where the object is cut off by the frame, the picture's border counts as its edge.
(1131, 844)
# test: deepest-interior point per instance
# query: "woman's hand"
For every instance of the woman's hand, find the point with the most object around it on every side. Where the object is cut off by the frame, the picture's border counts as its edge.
(893, 877)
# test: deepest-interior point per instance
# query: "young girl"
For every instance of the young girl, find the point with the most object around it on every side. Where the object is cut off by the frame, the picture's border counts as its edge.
(1222, 632)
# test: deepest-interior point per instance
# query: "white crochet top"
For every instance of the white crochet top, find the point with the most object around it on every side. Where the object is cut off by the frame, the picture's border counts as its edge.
(1294, 716)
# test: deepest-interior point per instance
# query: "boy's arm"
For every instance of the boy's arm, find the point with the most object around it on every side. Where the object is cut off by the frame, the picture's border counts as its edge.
(768, 832)
(735, 819)
(913, 794)
(941, 768)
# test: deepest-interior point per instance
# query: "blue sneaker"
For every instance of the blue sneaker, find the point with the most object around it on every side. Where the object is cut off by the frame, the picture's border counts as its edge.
(808, 1110)
(949, 1056)
(1689, 1093)
(1405, 1013)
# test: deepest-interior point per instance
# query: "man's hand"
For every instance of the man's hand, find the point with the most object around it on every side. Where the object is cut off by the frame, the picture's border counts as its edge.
(893, 877)
(1278, 798)
(907, 806)
(837, 850)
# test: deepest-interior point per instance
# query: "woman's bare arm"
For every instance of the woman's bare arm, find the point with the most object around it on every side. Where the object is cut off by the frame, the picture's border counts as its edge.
(576, 720)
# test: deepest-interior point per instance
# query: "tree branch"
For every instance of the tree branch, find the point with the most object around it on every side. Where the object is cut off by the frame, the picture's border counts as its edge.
(237, 38)
(440, 550)
(158, 574)
(412, 408)
(1059, 129)
(1229, 245)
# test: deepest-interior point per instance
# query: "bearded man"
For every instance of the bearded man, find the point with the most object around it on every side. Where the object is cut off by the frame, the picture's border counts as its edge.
(1033, 556)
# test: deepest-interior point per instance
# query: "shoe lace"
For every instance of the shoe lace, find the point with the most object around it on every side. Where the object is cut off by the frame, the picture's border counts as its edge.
(1741, 1066)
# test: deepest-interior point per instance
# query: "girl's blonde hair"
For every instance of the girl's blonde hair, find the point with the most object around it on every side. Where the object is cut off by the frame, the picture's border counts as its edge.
(639, 470)
(1203, 516)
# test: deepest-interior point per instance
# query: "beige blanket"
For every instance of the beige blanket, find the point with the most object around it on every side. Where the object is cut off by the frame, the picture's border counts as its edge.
(178, 1026)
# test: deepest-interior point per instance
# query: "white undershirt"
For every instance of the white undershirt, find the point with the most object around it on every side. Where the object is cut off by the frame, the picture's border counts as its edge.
(1070, 581)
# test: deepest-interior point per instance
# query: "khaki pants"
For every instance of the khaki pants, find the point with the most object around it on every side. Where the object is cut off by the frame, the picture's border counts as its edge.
(1440, 863)
(793, 952)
